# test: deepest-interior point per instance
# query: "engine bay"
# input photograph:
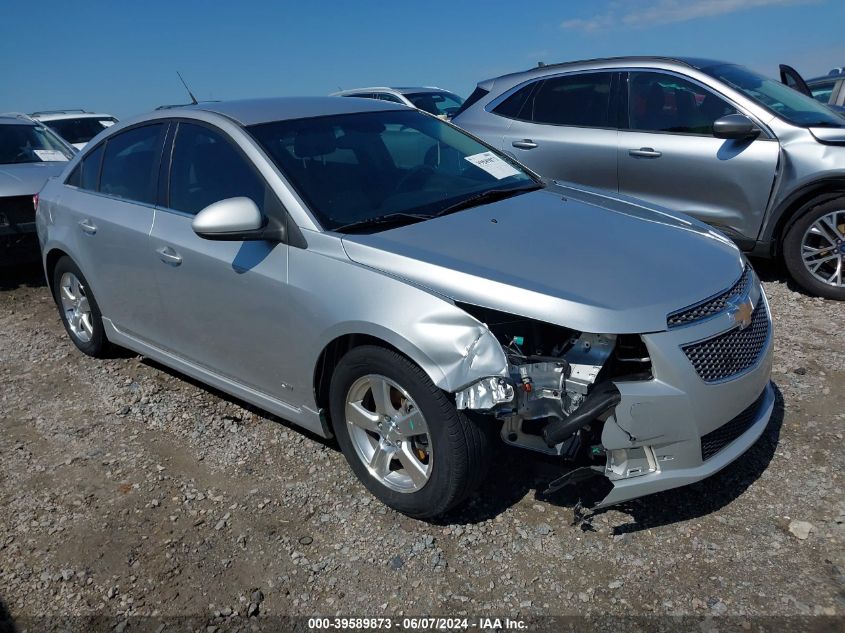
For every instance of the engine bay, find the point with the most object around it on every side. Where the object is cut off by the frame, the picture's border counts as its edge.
(558, 378)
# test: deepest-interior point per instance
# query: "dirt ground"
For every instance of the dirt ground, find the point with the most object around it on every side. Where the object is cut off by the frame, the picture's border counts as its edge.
(129, 490)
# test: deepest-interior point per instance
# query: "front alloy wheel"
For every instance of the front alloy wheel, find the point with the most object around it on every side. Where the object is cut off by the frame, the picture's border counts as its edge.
(402, 436)
(814, 248)
(389, 433)
(823, 248)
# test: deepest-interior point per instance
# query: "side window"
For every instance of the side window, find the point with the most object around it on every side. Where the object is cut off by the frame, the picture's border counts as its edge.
(658, 102)
(386, 96)
(87, 172)
(513, 105)
(822, 91)
(206, 168)
(581, 99)
(130, 163)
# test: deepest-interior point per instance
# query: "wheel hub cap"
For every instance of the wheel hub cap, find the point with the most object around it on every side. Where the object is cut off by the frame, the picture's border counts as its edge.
(76, 307)
(389, 433)
(823, 249)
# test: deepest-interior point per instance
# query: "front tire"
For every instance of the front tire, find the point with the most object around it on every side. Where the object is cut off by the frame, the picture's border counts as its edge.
(814, 249)
(78, 309)
(402, 436)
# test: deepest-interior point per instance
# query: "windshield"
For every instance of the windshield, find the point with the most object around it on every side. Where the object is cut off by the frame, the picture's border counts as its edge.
(438, 102)
(353, 168)
(26, 143)
(781, 100)
(80, 130)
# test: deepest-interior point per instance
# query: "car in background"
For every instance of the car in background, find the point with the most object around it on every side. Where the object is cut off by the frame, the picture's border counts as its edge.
(828, 89)
(368, 271)
(757, 160)
(77, 127)
(30, 154)
(429, 99)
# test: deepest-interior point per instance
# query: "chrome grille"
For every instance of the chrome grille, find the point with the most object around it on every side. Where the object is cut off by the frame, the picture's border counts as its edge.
(718, 439)
(726, 355)
(712, 306)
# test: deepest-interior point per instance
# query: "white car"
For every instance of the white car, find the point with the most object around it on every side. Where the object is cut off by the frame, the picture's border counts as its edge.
(77, 127)
(436, 101)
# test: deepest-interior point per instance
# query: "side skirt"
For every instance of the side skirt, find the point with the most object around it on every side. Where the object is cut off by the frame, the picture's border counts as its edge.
(303, 417)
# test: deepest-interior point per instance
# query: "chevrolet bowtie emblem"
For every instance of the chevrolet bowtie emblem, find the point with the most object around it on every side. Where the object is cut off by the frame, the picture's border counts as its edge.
(740, 311)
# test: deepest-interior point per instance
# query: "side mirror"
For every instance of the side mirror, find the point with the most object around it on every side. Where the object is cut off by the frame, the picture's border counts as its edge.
(735, 126)
(230, 219)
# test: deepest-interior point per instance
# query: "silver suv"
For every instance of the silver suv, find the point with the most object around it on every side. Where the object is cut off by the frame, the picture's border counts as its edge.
(371, 272)
(754, 158)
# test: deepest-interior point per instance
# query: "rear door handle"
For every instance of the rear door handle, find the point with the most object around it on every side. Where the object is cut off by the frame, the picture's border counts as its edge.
(525, 143)
(645, 152)
(169, 256)
(88, 226)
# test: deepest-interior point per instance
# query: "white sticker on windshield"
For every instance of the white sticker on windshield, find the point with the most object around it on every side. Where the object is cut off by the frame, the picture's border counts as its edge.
(106, 123)
(493, 165)
(48, 155)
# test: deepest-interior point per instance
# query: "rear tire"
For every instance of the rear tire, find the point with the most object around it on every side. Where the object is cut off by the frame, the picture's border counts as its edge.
(78, 309)
(425, 474)
(814, 247)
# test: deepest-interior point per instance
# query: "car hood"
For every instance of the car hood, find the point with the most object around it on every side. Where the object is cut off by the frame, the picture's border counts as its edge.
(27, 178)
(581, 259)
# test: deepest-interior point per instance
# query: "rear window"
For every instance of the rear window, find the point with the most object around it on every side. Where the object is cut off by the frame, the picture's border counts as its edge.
(130, 164)
(26, 143)
(80, 130)
(436, 102)
(475, 97)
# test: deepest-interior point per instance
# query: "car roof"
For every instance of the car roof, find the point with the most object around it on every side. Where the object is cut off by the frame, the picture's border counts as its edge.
(254, 111)
(398, 89)
(834, 74)
(699, 63)
(56, 115)
(16, 119)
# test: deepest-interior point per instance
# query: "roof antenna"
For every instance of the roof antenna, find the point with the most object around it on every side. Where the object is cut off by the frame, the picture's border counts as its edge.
(191, 94)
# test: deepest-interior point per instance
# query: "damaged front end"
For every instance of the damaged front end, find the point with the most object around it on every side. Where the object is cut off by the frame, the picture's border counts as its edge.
(560, 393)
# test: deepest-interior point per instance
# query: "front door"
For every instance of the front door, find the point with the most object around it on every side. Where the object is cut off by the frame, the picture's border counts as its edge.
(669, 156)
(225, 301)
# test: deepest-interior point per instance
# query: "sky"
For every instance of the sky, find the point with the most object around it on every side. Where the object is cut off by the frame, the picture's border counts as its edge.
(121, 58)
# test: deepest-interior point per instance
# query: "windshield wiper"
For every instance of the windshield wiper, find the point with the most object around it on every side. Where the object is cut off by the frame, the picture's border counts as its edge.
(485, 197)
(389, 219)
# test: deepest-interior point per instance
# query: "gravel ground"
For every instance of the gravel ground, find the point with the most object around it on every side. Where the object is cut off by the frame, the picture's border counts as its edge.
(130, 490)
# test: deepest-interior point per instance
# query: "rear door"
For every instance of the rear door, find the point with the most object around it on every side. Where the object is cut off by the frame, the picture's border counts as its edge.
(669, 156)
(110, 205)
(564, 127)
(225, 301)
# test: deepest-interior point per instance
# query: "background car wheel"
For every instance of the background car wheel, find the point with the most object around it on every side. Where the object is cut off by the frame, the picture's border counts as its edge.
(402, 436)
(78, 309)
(814, 249)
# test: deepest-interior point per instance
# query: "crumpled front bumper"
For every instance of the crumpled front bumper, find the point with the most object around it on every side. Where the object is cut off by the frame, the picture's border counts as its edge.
(656, 431)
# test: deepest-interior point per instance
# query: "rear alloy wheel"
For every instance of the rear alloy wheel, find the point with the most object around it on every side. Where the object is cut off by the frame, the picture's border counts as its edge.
(814, 249)
(78, 309)
(403, 436)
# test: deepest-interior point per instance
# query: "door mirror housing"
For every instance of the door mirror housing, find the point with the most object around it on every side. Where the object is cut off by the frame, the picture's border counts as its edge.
(235, 219)
(735, 126)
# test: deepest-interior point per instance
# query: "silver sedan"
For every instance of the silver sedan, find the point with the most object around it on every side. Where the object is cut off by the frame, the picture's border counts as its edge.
(373, 273)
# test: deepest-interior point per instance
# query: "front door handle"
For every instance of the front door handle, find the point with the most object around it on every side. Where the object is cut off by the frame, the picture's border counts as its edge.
(645, 152)
(88, 226)
(169, 256)
(525, 143)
